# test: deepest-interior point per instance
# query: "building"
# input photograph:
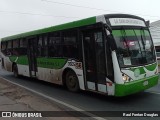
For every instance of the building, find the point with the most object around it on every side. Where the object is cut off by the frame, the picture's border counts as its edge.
(155, 32)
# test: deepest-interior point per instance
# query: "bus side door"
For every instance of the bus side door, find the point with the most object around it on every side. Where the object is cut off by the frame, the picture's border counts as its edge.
(32, 45)
(94, 60)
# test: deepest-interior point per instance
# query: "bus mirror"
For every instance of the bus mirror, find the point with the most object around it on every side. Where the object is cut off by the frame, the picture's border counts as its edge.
(148, 23)
(110, 39)
(108, 28)
(111, 42)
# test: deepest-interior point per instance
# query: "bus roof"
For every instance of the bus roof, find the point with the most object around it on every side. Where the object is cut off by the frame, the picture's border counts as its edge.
(79, 23)
(73, 24)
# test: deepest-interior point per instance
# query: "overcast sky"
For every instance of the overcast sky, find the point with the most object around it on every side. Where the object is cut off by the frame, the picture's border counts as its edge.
(17, 16)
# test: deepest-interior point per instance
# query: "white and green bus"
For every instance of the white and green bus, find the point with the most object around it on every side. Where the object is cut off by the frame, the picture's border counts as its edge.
(110, 54)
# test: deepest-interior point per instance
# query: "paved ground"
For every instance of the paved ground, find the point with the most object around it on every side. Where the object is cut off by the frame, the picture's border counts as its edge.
(14, 98)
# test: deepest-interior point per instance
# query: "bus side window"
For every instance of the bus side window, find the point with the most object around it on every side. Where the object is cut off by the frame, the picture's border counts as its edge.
(45, 45)
(70, 46)
(15, 48)
(51, 51)
(23, 46)
(42, 45)
(9, 48)
(39, 49)
(55, 45)
(4, 47)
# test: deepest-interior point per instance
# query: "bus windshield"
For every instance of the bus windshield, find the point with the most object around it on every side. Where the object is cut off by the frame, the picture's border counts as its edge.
(134, 47)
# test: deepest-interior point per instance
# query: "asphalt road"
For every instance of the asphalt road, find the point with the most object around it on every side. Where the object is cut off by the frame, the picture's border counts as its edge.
(148, 100)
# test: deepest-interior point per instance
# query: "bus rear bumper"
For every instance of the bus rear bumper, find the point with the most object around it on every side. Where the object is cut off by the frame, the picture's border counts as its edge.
(135, 86)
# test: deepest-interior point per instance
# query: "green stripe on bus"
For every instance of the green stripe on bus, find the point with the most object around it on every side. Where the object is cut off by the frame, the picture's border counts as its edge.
(151, 67)
(22, 60)
(52, 63)
(79, 23)
(13, 58)
(135, 86)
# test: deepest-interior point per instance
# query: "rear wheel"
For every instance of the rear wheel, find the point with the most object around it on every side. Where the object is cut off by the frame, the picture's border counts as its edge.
(72, 81)
(15, 71)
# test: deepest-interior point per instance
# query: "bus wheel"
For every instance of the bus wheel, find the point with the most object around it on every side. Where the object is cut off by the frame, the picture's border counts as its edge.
(15, 71)
(72, 81)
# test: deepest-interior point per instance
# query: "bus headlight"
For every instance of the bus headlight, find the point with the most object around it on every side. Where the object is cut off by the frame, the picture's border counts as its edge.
(125, 78)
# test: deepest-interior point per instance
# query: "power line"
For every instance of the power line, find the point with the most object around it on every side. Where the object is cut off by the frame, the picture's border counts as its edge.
(87, 7)
(77, 5)
(26, 13)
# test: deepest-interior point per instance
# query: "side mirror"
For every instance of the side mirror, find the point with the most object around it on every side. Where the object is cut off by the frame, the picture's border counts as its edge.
(109, 37)
(148, 23)
(108, 28)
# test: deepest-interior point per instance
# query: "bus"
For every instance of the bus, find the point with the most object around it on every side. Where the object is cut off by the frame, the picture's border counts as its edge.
(110, 54)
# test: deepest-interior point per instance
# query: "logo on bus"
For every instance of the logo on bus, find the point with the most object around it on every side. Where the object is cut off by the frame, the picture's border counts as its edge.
(78, 65)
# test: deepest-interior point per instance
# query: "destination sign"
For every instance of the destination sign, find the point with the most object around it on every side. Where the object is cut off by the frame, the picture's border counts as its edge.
(126, 22)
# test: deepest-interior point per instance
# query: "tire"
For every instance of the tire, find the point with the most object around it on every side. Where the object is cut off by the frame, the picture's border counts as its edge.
(72, 82)
(15, 71)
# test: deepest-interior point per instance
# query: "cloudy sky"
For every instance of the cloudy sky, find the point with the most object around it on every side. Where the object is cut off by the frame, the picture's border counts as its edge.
(17, 16)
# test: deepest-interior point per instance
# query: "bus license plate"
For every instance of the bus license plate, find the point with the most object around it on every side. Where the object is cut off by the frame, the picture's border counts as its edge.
(145, 83)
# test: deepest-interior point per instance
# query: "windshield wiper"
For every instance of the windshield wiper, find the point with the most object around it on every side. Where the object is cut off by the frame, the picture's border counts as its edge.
(137, 40)
(143, 42)
(124, 39)
(142, 39)
(143, 61)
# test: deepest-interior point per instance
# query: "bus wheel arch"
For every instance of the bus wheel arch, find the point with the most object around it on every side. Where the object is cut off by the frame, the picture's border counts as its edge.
(15, 70)
(70, 80)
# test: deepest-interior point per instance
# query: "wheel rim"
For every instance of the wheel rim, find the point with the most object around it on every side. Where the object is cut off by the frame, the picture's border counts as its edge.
(71, 81)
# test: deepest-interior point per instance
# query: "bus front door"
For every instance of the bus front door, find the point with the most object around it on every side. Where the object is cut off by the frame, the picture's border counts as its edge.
(94, 60)
(32, 56)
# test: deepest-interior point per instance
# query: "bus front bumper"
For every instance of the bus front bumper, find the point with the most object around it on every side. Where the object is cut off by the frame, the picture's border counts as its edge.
(135, 86)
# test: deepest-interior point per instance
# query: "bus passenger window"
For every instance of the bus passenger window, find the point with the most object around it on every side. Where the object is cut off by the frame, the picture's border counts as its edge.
(4, 47)
(39, 49)
(23, 47)
(55, 45)
(9, 48)
(15, 50)
(45, 46)
(70, 47)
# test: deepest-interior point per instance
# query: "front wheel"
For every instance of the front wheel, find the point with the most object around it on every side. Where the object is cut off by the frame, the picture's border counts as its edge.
(72, 81)
(15, 71)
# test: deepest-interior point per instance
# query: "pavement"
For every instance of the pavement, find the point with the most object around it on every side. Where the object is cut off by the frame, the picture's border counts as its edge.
(17, 99)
